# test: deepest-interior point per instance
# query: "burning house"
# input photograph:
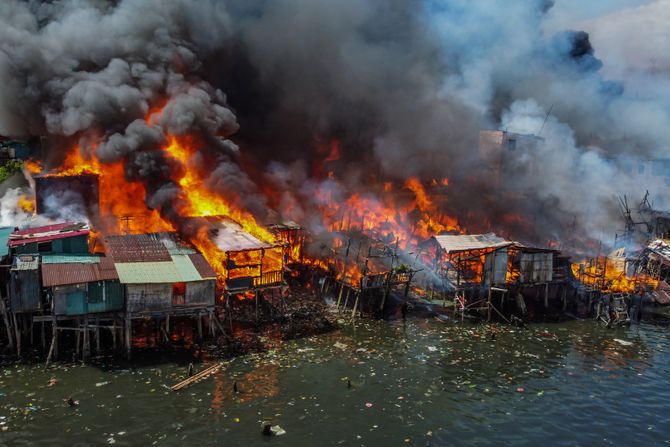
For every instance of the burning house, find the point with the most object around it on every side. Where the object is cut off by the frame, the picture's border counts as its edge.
(485, 271)
(365, 274)
(80, 192)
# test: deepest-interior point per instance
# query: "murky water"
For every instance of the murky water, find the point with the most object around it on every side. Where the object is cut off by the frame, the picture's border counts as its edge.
(419, 383)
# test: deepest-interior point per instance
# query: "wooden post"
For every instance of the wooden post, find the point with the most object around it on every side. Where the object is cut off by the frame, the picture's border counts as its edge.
(128, 337)
(114, 329)
(97, 335)
(353, 312)
(51, 348)
(346, 300)
(199, 327)
(256, 300)
(18, 334)
(546, 296)
(86, 354)
(210, 322)
(167, 324)
(339, 297)
(8, 326)
(489, 305)
(43, 336)
(54, 329)
(77, 336)
(565, 298)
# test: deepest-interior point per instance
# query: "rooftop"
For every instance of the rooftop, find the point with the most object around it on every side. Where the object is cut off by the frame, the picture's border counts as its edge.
(48, 233)
(469, 242)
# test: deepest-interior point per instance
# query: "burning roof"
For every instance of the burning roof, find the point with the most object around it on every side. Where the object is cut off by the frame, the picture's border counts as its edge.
(468, 242)
(48, 233)
(228, 236)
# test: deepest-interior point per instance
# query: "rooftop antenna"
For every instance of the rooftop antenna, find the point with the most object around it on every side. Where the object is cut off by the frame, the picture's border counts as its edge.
(545, 120)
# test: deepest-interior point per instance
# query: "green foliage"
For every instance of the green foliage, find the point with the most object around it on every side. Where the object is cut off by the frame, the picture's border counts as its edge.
(10, 168)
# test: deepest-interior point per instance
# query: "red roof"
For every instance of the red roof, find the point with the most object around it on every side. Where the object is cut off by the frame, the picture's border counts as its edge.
(48, 233)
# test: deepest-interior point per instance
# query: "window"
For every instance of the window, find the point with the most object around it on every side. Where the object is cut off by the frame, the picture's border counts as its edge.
(44, 247)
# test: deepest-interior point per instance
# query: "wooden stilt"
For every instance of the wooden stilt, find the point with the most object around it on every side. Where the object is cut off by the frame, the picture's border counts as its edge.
(54, 329)
(114, 330)
(32, 331)
(256, 306)
(546, 296)
(200, 327)
(97, 335)
(339, 297)
(86, 354)
(353, 312)
(51, 348)
(346, 298)
(128, 336)
(17, 330)
(210, 323)
(43, 335)
(8, 326)
(77, 337)
(167, 324)
(489, 305)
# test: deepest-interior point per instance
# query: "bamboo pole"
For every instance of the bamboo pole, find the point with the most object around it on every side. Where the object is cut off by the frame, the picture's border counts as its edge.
(51, 348)
(353, 312)
(197, 377)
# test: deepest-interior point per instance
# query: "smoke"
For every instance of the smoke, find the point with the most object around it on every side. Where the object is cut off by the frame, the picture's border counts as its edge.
(403, 85)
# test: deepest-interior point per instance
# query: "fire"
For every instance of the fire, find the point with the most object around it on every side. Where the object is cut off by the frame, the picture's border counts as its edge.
(198, 200)
(26, 204)
(122, 206)
(607, 276)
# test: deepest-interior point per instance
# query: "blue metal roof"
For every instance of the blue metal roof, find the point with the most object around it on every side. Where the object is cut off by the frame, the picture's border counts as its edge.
(70, 259)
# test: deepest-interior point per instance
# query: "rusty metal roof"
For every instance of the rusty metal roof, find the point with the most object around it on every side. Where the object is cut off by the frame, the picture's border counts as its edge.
(202, 266)
(138, 248)
(468, 242)
(78, 273)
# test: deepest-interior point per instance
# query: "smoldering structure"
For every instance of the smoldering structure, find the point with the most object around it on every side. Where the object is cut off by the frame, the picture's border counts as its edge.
(333, 156)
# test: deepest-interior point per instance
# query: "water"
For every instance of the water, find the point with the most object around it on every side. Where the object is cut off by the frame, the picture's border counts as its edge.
(419, 383)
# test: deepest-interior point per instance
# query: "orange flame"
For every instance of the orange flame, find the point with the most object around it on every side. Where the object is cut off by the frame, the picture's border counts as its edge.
(607, 276)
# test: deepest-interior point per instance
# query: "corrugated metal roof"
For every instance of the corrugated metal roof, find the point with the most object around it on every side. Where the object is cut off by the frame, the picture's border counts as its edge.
(185, 269)
(70, 259)
(202, 266)
(467, 242)
(661, 248)
(179, 269)
(163, 272)
(229, 236)
(26, 262)
(77, 273)
(133, 248)
(48, 233)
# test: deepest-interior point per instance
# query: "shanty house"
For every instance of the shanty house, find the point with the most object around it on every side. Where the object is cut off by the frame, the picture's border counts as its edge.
(69, 237)
(159, 274)
(24, 284)
(249, 262)
(479, 259)
(81, 284)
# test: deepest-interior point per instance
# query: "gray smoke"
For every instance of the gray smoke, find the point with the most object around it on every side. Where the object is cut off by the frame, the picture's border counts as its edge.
(404, 85)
